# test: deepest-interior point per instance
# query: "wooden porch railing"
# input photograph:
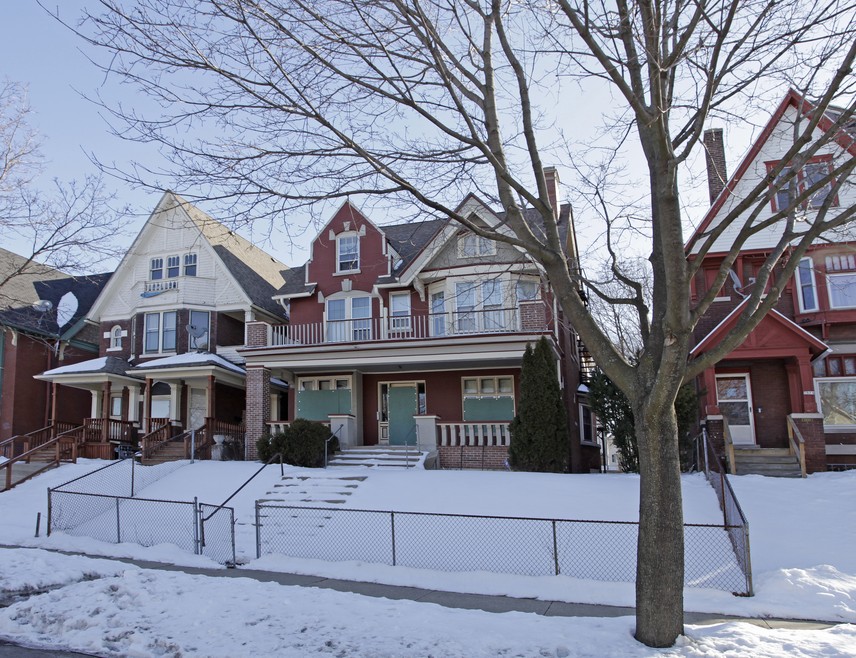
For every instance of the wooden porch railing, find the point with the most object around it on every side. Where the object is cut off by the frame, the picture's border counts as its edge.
(102, 430)
(234, 435)
(796, 444)
(16, 445)
(485, 433)
(64, 448)
(151, 442)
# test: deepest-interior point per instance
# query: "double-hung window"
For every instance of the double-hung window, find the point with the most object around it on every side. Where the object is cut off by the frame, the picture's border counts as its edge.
(835, 385)
(806, 286)
(841, 281)
(479, 306)
(348, 252)
(399, 309)
(471, 245)
(349, 319)
(156, 269)
(465, 307)
(587, 425)
(493, 315)
(173, 266)
(189, 264)
(788, 186)
(159, 332)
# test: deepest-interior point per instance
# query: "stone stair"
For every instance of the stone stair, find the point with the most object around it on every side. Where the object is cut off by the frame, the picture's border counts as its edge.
(773, 462)
(379, 456)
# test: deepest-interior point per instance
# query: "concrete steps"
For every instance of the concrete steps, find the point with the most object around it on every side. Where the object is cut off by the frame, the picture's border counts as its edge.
(773, 462)
(379, 457)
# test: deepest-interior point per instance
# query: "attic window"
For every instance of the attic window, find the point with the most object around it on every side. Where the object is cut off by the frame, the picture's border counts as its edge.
(816, 170)
(471, 245)
(347, 252)
(156, 269)
(189, 264)
(173, 266)
(116, 338)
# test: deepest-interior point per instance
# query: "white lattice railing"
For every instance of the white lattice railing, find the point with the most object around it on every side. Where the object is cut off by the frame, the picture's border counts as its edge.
(474, 434)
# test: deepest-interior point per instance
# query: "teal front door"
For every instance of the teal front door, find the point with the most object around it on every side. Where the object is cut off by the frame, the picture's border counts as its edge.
(402, 407)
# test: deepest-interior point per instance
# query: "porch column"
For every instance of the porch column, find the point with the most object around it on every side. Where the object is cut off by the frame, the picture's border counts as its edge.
(175, 401)
(133, 403)
(95, 407)
(106, 403)
(807, 383)
(258, 407)
(811, 428)
(426, 432)
(54, 419)
(147, 410)
(211, 397)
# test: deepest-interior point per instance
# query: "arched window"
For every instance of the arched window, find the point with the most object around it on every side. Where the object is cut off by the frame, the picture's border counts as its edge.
(116, 338)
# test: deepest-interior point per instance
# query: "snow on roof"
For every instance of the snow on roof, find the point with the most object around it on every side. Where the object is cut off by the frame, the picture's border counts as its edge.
(92, 365)
(582, 389)
(191, 359)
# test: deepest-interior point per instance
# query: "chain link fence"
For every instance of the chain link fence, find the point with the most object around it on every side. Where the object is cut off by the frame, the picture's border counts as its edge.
(590, 550)
(103, 505)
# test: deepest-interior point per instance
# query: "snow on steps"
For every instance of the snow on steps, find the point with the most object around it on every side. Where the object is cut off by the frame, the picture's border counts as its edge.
(379, 456)
(773, 462)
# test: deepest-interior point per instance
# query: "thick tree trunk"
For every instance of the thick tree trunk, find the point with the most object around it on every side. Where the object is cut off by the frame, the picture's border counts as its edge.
(660, 551)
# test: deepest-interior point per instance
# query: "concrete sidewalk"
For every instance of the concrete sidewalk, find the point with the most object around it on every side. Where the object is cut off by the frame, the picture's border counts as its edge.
(485, 602)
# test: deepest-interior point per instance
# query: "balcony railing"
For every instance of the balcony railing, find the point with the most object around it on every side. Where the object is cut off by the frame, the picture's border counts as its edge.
(529, 318)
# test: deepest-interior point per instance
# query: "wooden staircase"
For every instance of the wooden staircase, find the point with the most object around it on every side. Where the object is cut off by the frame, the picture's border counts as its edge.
(773, 462)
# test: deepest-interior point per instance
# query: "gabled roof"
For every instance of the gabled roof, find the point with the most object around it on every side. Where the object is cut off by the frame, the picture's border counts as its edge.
(70, 298)
(799, 335)
(845, 139)
(189, 360)
(19, 290)
(256, 271)
(110, 365)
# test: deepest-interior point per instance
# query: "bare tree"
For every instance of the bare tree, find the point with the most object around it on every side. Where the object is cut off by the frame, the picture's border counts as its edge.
(284, 103)
(70, 227)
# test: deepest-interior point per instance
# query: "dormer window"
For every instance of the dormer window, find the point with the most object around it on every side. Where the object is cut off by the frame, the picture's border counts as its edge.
(156, 269)
(347, 252)
(471, 245)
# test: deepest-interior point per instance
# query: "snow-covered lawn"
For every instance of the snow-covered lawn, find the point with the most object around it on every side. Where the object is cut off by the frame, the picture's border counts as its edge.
(803, 534)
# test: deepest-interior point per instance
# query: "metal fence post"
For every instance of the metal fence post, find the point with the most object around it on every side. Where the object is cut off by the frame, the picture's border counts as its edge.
(258, 532)
(392, 520)
(192, 445)
(132, 476)
(555, 549)
(196, 548)
(49, 512)
(118, 527)
(750, 590)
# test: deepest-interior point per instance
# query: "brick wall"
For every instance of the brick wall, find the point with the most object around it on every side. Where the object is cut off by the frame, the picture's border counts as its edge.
(716, 438)
(258, 407)
(533, 316)
(491, 458)
(811, 428)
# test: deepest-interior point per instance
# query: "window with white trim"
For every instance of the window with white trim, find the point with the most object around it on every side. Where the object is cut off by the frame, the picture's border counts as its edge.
(806, 286)
(837, 399)
(841, 280)
(528, 290)
(479, 306)
(173, 267)
(156, 269)
(347, 252)
(190, 264)
(159, 332)
(488, 398)
(399, 311)
(116, 337)
(318, 397)
(813, 172)
(471, 245)
(198, 330)
(587, 425)
(349, 319)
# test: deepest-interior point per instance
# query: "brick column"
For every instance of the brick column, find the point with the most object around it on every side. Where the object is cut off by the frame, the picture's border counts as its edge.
(258, 407)
(811, 428)
(715, 436)
(258, 334)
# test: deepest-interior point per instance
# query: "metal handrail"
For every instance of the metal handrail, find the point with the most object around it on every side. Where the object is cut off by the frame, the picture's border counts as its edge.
(246, 482)
(327, 442)
(796, 444)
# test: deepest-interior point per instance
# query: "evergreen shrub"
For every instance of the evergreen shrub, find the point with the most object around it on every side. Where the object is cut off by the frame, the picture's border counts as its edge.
(301, 444)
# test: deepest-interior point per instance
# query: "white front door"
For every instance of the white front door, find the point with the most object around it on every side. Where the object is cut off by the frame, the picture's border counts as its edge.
(198, 407)
(734, 398)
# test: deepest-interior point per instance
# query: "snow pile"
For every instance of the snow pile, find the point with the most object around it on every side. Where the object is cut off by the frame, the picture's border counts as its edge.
(34, 570)
(148, 613)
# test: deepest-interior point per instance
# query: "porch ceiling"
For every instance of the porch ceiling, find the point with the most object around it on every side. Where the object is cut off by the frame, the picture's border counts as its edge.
(485, 352)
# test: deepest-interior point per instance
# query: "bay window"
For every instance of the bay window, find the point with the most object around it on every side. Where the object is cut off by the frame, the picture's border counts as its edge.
(159, 331)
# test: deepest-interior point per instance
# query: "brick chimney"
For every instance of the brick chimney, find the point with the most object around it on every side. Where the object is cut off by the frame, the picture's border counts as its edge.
(715, 156)
(551, 176)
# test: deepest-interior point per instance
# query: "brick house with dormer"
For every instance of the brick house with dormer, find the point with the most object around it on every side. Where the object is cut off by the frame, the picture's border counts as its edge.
(793, 380)
(412, 334)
